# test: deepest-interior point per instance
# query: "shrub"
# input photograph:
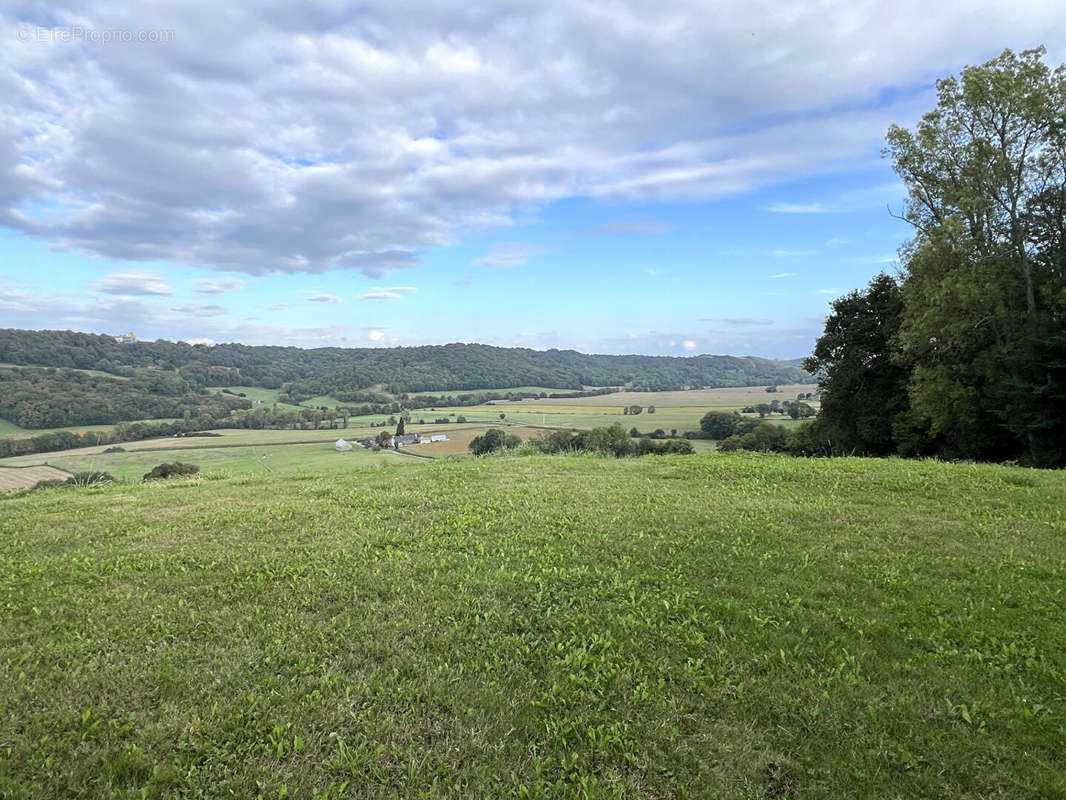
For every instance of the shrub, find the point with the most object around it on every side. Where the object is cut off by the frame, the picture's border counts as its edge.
(170, 470)
(719, 424)
(492, 440)
(116, 449)
(766, 438)
(92, 478)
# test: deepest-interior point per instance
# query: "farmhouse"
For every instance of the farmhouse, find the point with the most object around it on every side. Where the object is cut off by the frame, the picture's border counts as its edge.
(406, 439)
(438, 437)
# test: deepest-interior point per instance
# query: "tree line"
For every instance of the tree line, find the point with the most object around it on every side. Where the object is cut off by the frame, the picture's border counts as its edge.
(56, 398)
(399, 370)
(963, 354)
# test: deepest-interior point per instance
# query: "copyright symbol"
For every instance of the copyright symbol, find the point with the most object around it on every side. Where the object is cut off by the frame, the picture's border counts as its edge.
(23, 34)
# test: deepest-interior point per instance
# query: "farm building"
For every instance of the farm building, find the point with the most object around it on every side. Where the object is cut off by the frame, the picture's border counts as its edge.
(343, 446)
(438, 437)
(406, 439)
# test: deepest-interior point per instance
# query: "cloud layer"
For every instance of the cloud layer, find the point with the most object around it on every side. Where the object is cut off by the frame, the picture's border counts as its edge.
(270, 137)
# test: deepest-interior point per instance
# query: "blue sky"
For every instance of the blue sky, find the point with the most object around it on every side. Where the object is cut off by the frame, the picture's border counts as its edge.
(584, 175)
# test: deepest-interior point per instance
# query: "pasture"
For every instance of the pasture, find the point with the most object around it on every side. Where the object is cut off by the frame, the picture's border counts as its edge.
(238, 451)
(10, 428)
(703, 626)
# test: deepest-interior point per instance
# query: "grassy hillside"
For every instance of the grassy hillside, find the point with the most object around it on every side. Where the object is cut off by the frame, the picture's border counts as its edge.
(709, 626)
(8, 428)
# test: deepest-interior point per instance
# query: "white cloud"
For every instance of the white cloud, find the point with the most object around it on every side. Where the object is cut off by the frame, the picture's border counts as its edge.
(791, 253)
(208, 342)
(197, 310)
(380, 296)
(797, 208)
(395, 289)
(689, 345)
(360, 138)
(779, 275)
(322, 297)
(507, 255)
(217, 285)
(747, 321)
(132, 283)
(830, 291)
(375, 335)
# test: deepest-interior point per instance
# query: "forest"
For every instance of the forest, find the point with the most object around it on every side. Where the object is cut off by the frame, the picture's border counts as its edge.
(370, 375)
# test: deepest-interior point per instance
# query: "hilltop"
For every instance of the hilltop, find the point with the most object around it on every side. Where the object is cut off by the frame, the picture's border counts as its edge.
(705, 626)
(397, 370)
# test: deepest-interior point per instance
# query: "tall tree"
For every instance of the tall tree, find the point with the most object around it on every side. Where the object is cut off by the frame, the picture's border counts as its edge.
(985, 295)
(863, 388)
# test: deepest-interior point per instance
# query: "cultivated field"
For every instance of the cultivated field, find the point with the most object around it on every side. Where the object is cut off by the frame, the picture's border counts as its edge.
(237, 452)
(703, 398)
(26, 477)
(703, 626)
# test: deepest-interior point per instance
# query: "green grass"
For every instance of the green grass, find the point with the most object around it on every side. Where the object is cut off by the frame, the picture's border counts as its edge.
(131, 465)
(702, 626)
(8, 428)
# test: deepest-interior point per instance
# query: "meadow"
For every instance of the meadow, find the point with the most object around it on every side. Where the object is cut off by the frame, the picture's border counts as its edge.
(240, 451)
(703, 626)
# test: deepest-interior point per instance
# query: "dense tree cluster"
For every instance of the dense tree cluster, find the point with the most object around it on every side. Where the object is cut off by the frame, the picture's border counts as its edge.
(965, 355)
(612, 440)
(493, 440)
(401, 370)
(55, 398)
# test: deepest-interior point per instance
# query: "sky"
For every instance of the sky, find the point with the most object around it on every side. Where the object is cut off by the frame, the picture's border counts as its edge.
(668, 178)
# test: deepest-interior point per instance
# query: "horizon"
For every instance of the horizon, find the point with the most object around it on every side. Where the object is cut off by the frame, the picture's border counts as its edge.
(404, 346)
(601, 179)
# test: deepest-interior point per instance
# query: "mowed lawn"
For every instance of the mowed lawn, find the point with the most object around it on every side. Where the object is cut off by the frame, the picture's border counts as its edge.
(703, 626)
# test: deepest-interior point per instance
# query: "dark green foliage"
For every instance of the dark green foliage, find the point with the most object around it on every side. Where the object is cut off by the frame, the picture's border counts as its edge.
(863, 388)
(983, 330)
(648, 446)
(337, 371)
(78, 479)
(56, 398)
(611, 440)
(492, 441)
(170, 470)
(766, 437)
(116, 449)
(52, 483)
(400, 427)
(719, 424)
(91, 478)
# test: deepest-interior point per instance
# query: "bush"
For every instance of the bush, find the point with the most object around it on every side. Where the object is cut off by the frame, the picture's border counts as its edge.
(170, 470)
(766, 438)
(492, 440)
(719, 424)
(93, 478)
(115, 449)
(51, 483)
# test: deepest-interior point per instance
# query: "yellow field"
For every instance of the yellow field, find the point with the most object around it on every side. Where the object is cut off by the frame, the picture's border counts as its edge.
(736, 397)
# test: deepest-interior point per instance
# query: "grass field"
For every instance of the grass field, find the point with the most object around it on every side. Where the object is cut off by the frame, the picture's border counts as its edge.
(729, 398)
(10, 428)
(237, 452)
(703, 626)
